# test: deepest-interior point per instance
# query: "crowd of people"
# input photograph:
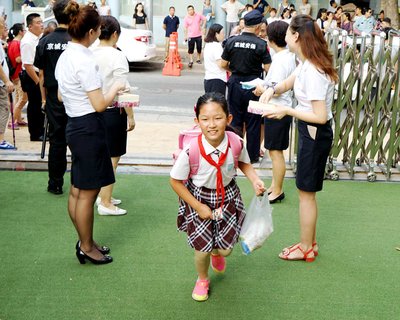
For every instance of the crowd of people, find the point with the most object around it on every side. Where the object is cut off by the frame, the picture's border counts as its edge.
(272, 60)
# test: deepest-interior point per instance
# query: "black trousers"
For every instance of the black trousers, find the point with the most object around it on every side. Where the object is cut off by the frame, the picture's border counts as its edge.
(57, 162)
(34, 112)
(244, 121)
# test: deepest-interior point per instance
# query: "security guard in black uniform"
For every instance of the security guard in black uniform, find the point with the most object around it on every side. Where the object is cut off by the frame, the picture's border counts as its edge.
(48, 51)
(245, 56)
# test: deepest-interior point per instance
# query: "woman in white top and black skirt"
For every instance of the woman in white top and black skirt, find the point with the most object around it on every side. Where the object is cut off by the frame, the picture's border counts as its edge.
(276, 132)
(215, 77)
(80, 88)
(113, 67)
(313, 83)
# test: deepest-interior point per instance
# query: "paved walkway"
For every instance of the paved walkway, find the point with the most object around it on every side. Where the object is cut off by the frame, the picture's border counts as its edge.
(151, 143)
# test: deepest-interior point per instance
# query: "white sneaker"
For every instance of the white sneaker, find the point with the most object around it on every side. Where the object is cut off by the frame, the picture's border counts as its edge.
(104, 211)
(115, 202)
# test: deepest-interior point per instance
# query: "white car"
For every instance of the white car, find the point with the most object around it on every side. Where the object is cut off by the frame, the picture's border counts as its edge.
(136, 44)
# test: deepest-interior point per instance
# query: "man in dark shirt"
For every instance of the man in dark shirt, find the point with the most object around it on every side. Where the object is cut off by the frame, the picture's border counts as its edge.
(48, 51)
(170, 24)
(246, 56)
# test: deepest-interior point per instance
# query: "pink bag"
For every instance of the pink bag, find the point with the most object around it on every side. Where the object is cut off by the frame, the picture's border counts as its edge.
(189, 137)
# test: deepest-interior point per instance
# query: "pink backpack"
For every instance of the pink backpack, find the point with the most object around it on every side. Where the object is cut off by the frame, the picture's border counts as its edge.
(189, 136)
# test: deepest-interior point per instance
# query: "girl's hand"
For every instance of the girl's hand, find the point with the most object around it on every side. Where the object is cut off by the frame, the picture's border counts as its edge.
(259, 90)
(267, 95)
(277, 113)
(259, 187)
(204, 212)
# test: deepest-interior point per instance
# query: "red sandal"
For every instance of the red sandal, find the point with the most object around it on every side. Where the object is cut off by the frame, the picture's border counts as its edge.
(315, 248)
(307, 256)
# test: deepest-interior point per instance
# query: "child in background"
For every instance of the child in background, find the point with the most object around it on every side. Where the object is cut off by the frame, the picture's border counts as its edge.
(200, 196)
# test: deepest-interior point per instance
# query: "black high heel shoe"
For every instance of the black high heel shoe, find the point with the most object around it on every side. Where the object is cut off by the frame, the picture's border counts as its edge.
(83, 256)
(278, 198)
(102, 249)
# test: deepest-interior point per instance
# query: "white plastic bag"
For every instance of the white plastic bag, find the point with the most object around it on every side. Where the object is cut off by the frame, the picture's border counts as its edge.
(257, 225)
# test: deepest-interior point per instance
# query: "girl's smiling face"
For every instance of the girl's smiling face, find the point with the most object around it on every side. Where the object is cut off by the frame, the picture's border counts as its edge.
(213, 121)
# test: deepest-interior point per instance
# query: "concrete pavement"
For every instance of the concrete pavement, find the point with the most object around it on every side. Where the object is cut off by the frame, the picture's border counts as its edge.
(150, 145)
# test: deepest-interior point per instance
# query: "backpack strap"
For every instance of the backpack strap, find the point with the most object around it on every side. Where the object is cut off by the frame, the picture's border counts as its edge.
(236, 145)
(194, 157)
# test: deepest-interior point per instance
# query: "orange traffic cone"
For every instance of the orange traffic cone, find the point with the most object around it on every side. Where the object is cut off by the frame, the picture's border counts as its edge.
(173, 65)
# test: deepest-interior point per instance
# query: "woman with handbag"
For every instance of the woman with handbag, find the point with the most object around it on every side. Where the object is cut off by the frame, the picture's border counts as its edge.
(313, 83)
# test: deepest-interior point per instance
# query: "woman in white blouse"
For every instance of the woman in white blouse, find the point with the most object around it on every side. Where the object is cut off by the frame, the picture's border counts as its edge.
(276, 132)
(215, 77)
(113, 67)
(80, 88)
(313, 83)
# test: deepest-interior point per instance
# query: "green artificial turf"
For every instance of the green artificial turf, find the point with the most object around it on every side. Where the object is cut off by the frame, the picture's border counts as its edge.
(356, 275)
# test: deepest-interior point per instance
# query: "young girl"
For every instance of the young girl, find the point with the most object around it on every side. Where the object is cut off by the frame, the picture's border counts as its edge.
(212, 188)
(79, 84)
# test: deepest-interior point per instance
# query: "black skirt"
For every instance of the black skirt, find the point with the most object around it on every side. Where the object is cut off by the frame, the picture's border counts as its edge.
(91, 163)
(215, 85)
(276, 133)
(116, 125)
(315, 143)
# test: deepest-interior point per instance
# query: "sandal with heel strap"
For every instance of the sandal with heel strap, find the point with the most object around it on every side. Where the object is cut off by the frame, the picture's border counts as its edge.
(287, 253)
(315, 248)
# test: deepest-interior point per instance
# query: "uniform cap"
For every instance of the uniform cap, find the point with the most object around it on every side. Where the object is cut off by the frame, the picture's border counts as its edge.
(253, 18)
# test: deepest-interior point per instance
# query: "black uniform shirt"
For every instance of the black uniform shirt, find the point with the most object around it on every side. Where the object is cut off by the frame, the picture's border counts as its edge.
(48, 51)
(246, 53)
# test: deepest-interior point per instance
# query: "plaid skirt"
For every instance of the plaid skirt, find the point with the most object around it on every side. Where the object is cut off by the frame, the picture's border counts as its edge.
(206, 235)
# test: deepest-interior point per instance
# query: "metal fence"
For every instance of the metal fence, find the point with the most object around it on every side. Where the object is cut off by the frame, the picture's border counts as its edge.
(366, 121)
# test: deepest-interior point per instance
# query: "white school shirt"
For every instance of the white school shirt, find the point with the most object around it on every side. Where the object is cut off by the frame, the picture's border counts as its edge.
(310, 84)
(28, 49)
(282, 66)
(77, 73)
(212, 53)
(232, 10)
(207, 174)
(113, 66)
